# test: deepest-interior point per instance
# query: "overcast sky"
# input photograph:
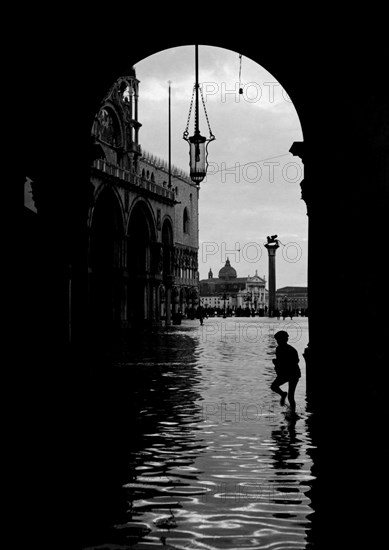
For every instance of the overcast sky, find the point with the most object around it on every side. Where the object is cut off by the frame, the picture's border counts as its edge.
(253, 184)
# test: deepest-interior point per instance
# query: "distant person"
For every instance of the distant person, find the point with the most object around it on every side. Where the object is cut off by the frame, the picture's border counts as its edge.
(200, 314)
(287, 369)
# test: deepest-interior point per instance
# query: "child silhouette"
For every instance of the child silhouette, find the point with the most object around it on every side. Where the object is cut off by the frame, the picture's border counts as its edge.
(287, 369)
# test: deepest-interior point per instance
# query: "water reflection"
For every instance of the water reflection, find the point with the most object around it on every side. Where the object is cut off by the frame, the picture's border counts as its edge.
(199, 453)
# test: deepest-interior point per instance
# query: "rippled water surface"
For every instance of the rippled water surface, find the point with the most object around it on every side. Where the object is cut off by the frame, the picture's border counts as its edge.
(212, 459)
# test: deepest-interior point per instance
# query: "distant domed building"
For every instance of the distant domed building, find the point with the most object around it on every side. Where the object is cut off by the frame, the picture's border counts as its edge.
(227, 272)
(232, 291)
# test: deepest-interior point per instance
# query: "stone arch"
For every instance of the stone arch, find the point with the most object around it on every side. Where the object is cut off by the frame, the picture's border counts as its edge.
(268, 88)
(167, 230)
(106, 222)
(108, 126)
(100, 191)
(141, 264)
(105, 261)
(143, 206)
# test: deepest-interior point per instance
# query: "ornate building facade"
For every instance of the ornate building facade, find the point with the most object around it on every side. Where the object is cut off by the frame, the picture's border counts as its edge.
(236, 292)
(143, 224)
(292, 298)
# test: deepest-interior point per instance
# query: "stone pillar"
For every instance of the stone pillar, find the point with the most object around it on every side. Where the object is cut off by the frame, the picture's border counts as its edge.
(175, 293)
(154, 303)
(161, 301)
(146, 301)
(168, 301)
(272, 246)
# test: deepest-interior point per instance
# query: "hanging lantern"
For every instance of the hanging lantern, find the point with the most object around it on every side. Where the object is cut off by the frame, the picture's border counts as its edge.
(198, 144)
(197, 157)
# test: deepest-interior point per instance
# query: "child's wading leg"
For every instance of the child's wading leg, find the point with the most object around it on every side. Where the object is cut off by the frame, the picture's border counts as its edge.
(276, 388)
(291, 390)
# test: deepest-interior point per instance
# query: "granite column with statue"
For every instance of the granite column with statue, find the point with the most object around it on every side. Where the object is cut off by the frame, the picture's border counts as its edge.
(272, 245)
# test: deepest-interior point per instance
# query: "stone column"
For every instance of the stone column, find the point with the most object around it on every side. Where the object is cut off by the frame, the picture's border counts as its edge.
(154, 303)
(168, 301)
(175, 299)
(272, 246)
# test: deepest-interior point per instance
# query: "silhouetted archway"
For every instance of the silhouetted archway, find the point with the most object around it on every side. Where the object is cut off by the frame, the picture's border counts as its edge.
(141, 234)
(105, 260)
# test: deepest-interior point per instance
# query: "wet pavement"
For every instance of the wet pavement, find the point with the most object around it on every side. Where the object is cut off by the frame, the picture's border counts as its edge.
(192, 450)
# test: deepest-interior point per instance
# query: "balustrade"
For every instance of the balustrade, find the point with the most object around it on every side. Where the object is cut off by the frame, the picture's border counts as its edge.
(130, 177)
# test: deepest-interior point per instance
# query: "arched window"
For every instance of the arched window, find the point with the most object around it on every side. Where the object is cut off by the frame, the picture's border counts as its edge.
(108, 127)
(186, 221)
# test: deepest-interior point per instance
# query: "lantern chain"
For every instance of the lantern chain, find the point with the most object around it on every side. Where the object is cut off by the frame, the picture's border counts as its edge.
(206, 115)
(186, 132)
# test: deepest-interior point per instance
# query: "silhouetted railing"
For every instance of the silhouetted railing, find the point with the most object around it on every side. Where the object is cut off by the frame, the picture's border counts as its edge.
(130, 177)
